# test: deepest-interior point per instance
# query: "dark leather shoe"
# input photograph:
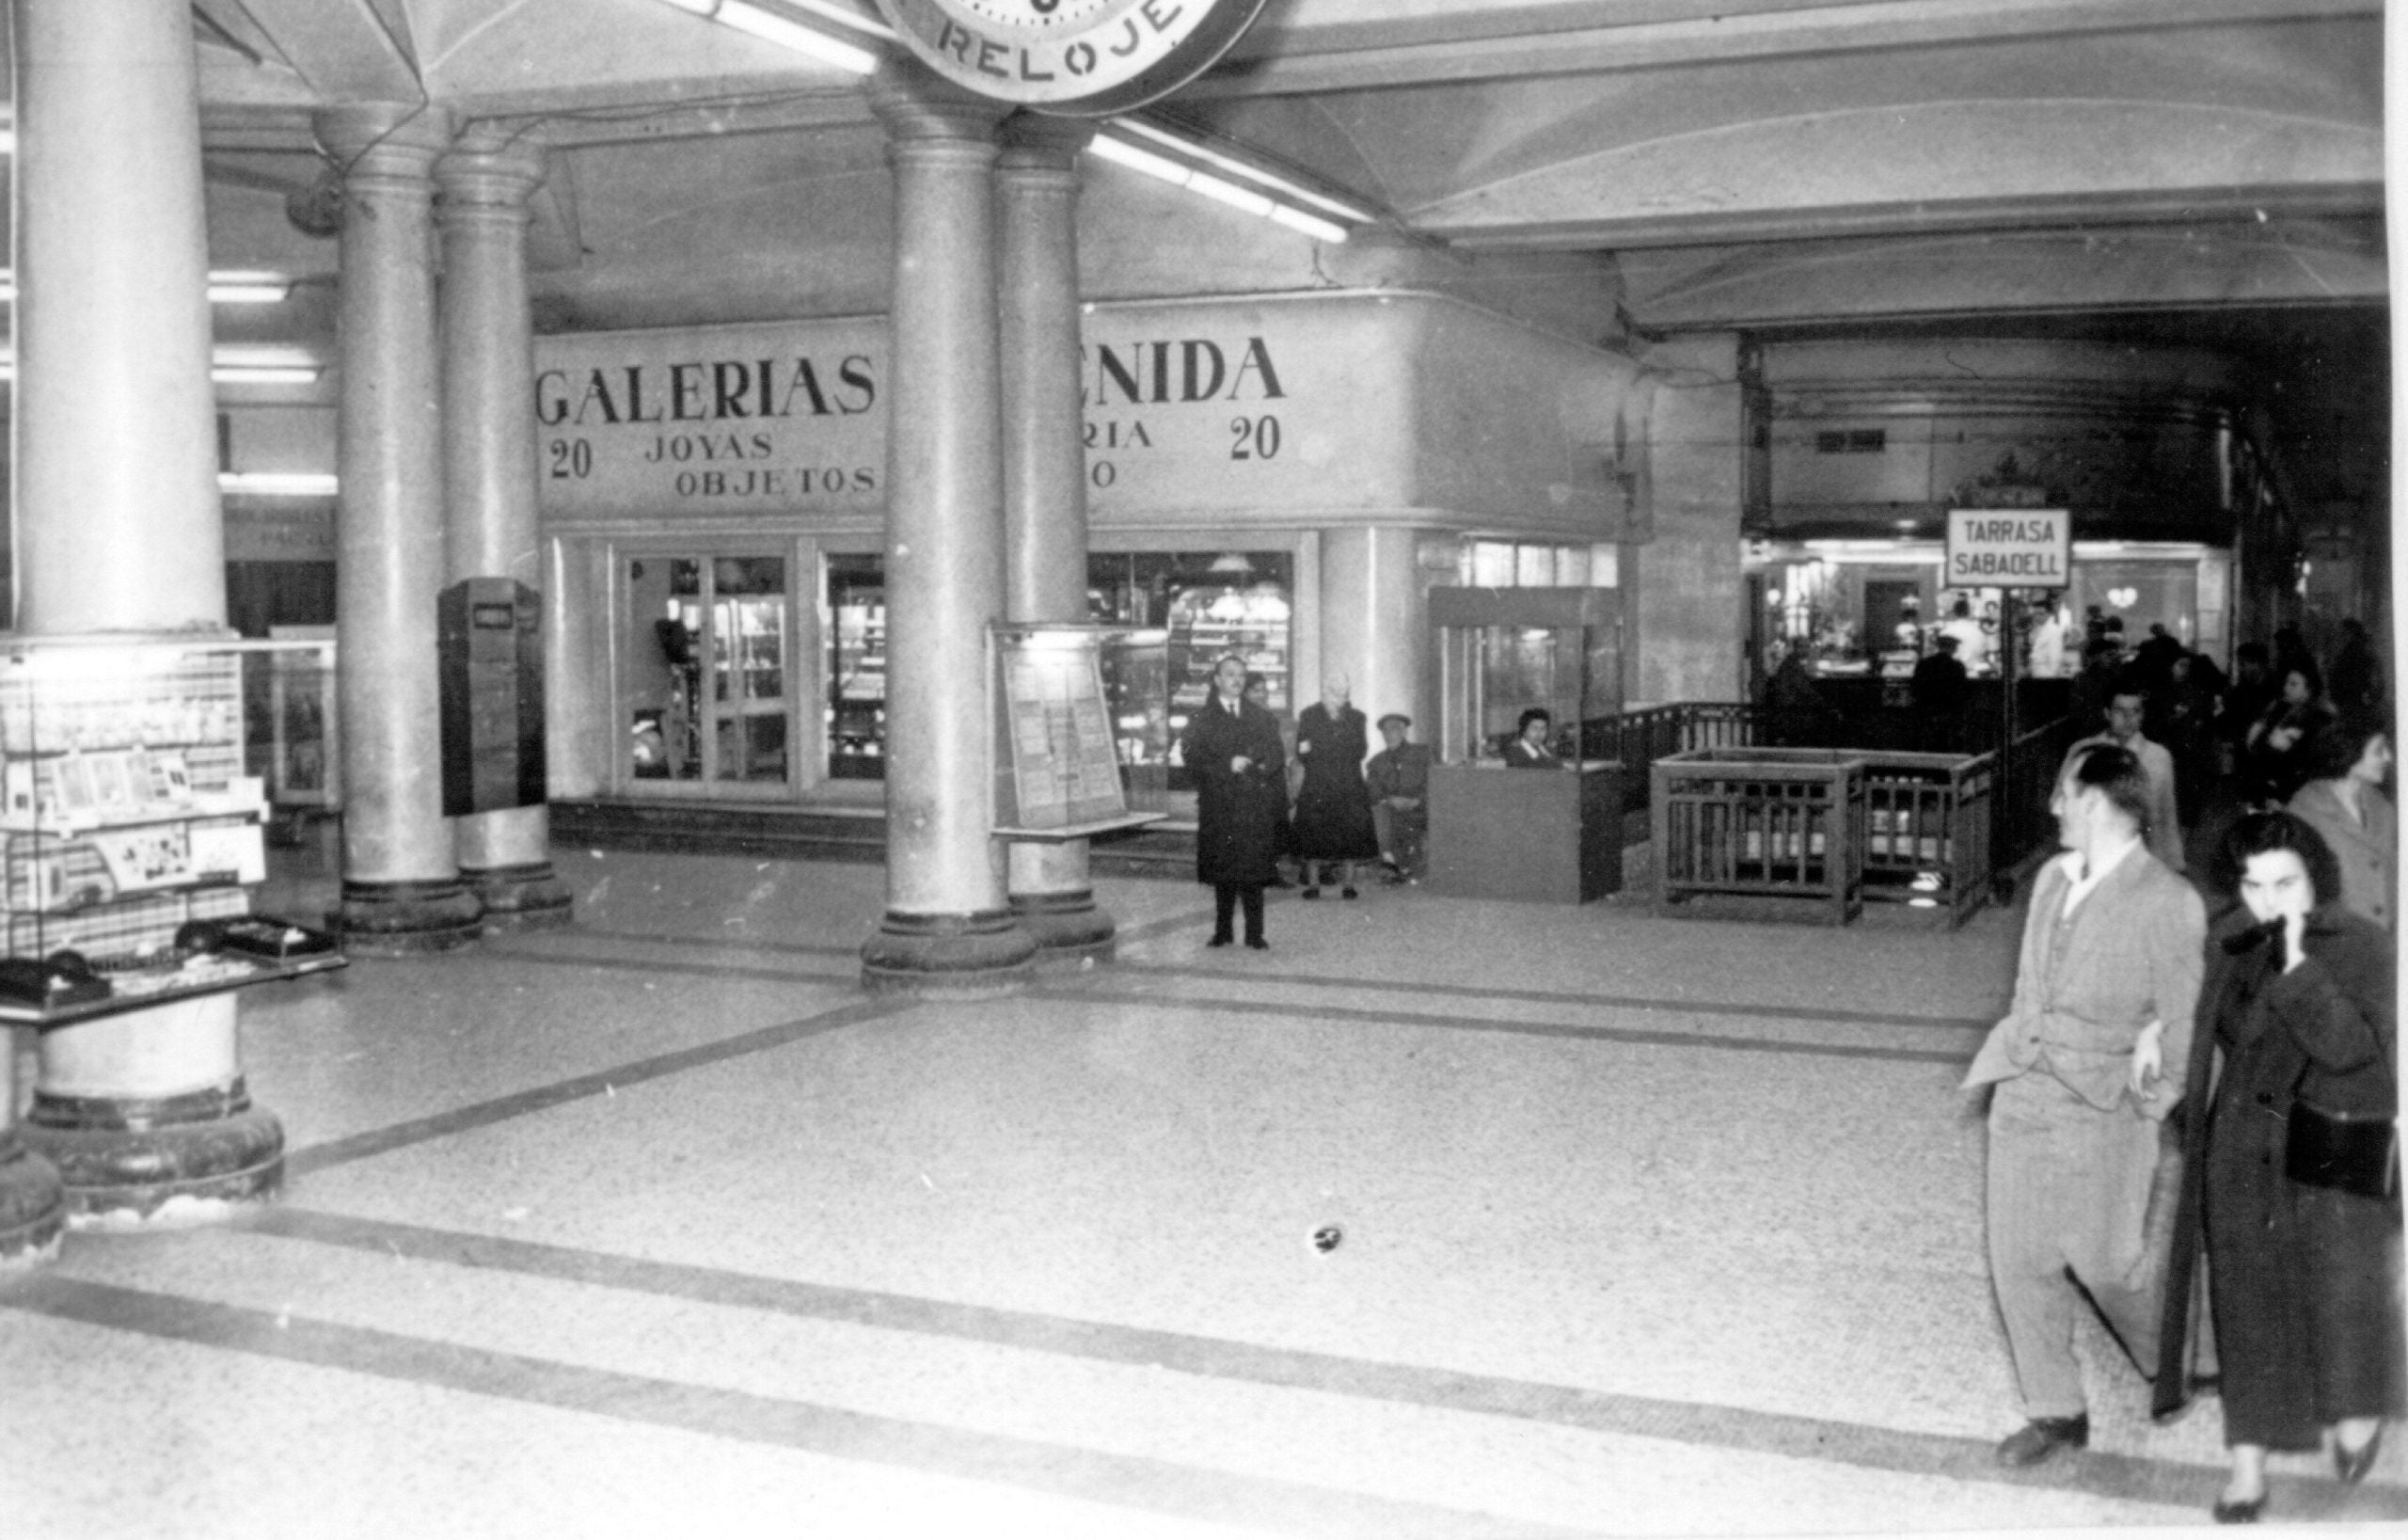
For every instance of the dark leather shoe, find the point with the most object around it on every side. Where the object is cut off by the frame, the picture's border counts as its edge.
(1348, 893)
(2043, 1437)
(1258, 943)
(2243, 1511)
(1312, 893)
(2352, 1464)
(1220, 941)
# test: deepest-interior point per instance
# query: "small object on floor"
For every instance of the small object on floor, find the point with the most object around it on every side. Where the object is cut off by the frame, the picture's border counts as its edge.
(2043, 1437)
(1394, 878)
(2352, 1464)
(1312, 893)
(1348, 893)
(1220, 941)
(1325, 1239)
(1258, 943)
(2238, 1511)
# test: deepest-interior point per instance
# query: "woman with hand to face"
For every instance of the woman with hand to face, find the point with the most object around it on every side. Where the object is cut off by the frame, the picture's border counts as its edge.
(2290, 1171)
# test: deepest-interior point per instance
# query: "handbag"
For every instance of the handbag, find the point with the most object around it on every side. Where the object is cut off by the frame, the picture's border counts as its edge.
(2354, 1153)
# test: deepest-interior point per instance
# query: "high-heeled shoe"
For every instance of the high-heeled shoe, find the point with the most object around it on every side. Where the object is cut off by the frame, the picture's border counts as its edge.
(2237, 1510)
(2352, 1464)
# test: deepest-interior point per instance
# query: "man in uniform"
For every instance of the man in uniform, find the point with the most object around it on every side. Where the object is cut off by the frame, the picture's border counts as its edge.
(2084, 1069)
(1398, 777)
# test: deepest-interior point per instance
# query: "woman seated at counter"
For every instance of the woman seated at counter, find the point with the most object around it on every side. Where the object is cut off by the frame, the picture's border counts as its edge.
(1532, 745)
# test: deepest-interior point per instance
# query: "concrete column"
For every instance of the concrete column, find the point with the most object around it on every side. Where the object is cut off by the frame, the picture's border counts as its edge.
(120, 533)
(1685, 624)
(947, 929)
(1374, 624)
(401, 885)
(1045, 472)
(33, 1203)
(489, 471)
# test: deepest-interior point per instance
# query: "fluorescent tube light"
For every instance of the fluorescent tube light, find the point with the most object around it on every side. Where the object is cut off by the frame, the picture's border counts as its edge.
(224, 288)
(1277, 184)
(1230, 193)
(1119, 154)
(771, 27)
(1312, 225)
(1205, 185)
(279, 484)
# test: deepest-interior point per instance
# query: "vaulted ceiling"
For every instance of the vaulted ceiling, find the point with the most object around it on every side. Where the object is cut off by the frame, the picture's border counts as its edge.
(2186, 168)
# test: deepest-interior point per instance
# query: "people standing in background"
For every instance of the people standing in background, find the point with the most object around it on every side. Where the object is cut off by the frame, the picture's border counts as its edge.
(1334, 825)
(2162, 823)
(1973, 641)
(1796, 714)
(1232, 747)
(2355, 679)
(1938, 690)
(2049, 645)
(2082, 1070)
(2245, 698)
(1533, 743)
(1283, 843)
(1399, 779)
(2344, 803)
(2184, 721)
(2290, 1174)
(2274, 752)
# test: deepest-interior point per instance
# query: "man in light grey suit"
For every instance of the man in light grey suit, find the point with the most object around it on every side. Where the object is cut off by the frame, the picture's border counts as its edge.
(2084, 1069)
(2161, 826)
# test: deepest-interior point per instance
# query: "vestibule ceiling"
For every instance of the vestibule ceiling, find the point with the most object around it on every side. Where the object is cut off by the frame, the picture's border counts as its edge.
(1774, 165)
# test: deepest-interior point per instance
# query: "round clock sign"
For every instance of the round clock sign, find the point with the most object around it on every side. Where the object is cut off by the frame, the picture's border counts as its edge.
(1078, 58)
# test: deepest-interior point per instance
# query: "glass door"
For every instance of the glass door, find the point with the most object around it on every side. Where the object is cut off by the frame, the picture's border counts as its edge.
(705, 679)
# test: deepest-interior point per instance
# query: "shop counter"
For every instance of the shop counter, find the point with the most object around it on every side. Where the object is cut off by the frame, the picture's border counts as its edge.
(1540, 837)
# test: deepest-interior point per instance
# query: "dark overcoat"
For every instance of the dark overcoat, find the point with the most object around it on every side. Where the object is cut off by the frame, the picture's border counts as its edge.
(1334, 805)
(1237, 812)
(2300, 1278)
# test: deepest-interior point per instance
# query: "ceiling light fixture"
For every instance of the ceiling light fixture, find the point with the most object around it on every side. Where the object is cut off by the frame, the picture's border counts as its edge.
(1221, 190)
(1278, 185)
(224, 288)
(279, 484)
(787, 33)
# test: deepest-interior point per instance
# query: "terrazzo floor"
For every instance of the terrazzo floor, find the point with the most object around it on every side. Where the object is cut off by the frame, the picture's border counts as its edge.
(658, 1226)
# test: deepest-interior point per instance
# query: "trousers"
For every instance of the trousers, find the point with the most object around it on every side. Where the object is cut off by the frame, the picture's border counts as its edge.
(2070, 1213)
(1227, 896)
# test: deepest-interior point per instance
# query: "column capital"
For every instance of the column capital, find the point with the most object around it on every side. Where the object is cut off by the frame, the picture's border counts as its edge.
(396, 141)
(491, 166)
(1036, 142)
(917, 107)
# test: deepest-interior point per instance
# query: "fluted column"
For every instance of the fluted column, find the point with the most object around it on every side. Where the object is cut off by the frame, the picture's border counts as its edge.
(489, 462)
(33, 1203)
(1045, 482)
(947, 928)
(401, 884)
(119, 534)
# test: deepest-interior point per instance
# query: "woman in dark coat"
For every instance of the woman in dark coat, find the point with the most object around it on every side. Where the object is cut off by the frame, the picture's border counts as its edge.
(1232, 747)
(1334, 823)
(2299, 1004)
(2275, 750)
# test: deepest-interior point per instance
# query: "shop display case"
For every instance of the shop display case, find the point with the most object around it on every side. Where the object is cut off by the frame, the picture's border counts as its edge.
(1550, 836)
(856, 710)
(130, 830)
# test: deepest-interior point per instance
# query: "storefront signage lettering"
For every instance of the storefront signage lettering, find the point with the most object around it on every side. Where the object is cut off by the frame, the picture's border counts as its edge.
(2025, 549)
(702, 391)
(1176, 372)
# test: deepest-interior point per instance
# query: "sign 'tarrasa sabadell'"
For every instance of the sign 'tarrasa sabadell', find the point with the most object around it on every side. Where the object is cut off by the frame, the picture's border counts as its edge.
(1074, 57)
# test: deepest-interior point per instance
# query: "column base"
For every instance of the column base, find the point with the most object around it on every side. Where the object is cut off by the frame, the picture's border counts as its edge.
(520, 898)
(948, 957)
(33, 1206)
(132, 1163)
(1070, 931)
(403, 919)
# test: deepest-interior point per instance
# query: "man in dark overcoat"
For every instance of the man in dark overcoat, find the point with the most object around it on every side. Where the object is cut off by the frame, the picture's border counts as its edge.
(1232, 748)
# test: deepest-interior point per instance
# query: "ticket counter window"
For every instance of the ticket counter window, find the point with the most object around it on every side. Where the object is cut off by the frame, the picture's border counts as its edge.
(708, 672)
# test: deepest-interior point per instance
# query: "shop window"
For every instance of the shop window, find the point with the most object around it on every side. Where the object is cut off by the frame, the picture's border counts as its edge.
(708, 679)
(856, 710)
(1212, 603)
